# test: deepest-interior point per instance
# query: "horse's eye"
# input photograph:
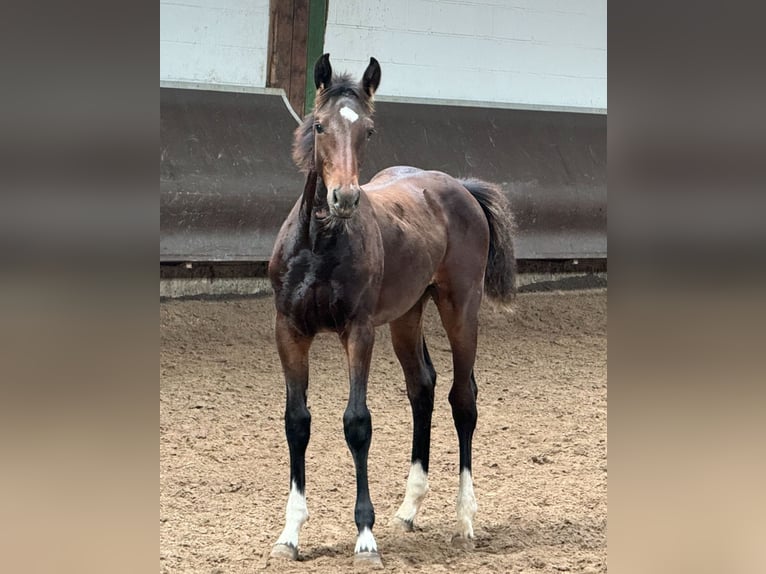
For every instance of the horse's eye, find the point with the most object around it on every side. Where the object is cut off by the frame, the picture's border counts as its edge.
(319, 129)
(370, 132)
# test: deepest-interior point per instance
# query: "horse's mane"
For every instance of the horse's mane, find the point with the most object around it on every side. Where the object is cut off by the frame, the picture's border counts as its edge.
(303, 142)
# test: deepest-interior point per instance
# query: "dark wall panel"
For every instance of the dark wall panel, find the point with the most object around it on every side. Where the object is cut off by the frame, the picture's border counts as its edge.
(227, 180)
(226, 176)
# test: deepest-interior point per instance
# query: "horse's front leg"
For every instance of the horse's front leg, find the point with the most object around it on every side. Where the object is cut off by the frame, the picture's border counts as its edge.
(293, 350)
(358, 341)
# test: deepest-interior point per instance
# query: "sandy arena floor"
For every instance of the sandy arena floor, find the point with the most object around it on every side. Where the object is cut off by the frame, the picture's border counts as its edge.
(540, 450)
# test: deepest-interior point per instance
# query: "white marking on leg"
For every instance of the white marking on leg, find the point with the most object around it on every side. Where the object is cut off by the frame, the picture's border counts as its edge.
(365, 542)
(349, 114)
(417, 487)
(466, 505)
(296, 514)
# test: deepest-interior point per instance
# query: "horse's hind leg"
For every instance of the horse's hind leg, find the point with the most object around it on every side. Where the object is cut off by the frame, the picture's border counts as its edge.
(420, 376)
(293, 352)
(459, 310)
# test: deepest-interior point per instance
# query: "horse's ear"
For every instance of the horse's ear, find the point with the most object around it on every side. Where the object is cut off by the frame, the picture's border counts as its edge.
(371, 78)
(323, 72)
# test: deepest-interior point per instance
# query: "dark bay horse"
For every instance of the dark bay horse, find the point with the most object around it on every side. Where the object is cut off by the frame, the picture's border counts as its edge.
(350, 258)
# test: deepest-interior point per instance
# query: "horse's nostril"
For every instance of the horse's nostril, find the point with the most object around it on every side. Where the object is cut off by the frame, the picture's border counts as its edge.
(335, 196)
(356, 201)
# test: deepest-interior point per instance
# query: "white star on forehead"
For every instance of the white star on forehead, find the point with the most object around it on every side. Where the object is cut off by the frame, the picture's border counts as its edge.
(349, 114)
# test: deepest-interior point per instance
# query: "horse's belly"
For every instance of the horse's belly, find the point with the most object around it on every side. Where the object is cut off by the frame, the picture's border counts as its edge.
(403, 285)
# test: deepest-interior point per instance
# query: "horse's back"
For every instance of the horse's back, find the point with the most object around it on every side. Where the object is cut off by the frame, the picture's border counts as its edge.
(389, 175)
(408, 176)
(443, 199)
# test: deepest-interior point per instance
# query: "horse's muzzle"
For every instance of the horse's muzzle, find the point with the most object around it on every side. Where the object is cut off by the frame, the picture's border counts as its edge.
(343, 201)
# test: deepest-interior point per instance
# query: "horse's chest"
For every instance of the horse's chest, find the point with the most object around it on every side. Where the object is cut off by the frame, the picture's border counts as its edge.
(315, 295)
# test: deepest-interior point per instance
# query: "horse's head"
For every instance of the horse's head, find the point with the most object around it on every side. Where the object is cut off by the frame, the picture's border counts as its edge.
(332, 139)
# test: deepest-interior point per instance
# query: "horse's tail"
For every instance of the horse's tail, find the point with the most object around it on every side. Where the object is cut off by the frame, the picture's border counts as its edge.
(500, 275)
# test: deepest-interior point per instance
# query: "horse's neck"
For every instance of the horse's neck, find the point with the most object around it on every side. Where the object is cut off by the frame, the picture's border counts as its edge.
(309, 193)
(307, 204)
(314, 199)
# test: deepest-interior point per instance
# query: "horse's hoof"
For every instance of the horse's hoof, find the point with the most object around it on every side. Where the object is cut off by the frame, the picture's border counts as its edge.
(284, 552)
(402, 524)
(462, 542)
(367, 561)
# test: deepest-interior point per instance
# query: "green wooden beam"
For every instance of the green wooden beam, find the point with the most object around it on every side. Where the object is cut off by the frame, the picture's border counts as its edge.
(314, 46)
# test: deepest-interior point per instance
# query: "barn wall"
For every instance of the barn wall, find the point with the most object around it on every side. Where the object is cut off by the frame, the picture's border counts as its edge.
(532, 52)
(214, 41)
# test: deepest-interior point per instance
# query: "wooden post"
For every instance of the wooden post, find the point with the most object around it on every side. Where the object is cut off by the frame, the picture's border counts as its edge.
(288, 32)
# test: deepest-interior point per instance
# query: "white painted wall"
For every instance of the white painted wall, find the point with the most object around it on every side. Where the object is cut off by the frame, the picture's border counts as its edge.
(214, 41)
(530, 52)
